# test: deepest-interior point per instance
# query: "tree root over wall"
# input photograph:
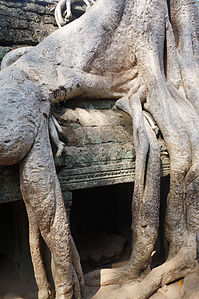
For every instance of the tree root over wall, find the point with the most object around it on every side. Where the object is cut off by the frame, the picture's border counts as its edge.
(145, 54)
(167, 87)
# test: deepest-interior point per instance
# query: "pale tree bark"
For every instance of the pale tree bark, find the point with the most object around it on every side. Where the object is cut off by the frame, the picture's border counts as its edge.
(144, 53)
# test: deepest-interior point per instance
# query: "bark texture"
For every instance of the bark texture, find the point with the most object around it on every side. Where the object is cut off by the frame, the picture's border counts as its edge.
(144, 54)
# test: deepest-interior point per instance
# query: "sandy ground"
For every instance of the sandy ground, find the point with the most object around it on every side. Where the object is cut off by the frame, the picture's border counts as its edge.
(12, 287)
(15, 289)
(18, 290)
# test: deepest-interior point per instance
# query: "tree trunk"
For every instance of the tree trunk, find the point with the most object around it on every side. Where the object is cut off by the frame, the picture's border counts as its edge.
(164, 38)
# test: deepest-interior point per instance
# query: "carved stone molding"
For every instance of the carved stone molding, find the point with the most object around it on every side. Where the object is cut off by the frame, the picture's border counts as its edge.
(99, 150)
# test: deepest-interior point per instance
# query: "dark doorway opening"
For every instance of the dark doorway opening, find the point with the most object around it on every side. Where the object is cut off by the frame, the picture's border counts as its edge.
(101, 224)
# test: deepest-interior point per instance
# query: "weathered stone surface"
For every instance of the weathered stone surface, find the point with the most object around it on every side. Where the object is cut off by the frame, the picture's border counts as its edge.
(24, 23)
(99, 150)
(9, 184)
(27, 22)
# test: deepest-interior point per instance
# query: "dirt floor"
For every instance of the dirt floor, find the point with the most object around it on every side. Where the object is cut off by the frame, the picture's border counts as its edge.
(12, 287)
(16, 274)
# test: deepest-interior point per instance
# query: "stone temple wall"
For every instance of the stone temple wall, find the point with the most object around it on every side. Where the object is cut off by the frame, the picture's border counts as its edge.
(24, 22)
(27, 22)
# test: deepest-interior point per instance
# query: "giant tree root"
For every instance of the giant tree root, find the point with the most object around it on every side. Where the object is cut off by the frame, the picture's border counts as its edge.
(179, 266)
(190, 288)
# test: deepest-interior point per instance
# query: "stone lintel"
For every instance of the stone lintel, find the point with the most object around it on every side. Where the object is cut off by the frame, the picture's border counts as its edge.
(99, 151)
